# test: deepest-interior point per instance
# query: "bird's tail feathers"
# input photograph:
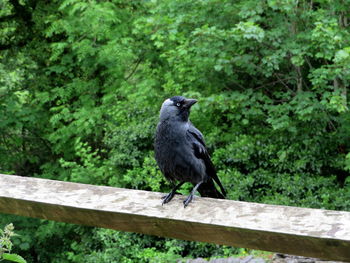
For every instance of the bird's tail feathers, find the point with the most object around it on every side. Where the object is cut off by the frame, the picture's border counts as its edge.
(208, 189)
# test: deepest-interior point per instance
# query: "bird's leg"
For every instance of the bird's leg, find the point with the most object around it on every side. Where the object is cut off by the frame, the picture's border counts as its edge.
(190, 197)
(167, 198)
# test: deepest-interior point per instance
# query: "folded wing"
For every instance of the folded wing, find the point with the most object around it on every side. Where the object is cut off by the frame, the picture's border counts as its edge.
(207, 188)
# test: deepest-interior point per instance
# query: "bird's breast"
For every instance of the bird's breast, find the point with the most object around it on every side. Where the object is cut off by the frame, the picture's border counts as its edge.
(169, 143)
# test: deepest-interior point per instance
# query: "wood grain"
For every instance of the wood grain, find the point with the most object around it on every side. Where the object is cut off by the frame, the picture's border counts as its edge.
(299, 231)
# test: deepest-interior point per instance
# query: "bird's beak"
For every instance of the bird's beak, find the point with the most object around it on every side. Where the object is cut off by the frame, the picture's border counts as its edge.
(189, 102)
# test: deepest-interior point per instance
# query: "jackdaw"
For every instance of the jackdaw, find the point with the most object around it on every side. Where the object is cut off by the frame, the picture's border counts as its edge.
(181, 153)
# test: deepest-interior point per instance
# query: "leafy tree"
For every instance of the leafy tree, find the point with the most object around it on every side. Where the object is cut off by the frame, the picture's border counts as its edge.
(82, 83)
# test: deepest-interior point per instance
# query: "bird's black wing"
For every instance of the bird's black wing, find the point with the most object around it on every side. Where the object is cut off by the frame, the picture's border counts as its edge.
(200, 151)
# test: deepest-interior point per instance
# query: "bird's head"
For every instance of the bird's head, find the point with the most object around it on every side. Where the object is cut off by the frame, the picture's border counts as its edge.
(176, 108)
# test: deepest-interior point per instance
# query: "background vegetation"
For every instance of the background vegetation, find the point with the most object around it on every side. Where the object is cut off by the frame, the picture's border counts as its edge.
(81, 83)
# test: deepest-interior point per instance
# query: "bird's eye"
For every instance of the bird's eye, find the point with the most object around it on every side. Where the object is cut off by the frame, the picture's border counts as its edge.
(178, 104)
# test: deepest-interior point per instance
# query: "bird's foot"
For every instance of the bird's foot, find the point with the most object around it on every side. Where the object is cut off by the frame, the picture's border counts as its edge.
(188, 200)
(167, 198)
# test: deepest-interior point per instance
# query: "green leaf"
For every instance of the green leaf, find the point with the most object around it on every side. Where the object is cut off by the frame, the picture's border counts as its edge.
(342, 55)
(14, 258)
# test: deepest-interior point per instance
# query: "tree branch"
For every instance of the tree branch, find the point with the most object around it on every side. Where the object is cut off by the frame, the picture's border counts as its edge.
(134, 70)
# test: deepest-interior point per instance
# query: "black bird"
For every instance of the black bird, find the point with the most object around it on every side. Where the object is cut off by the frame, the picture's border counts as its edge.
(181, 153)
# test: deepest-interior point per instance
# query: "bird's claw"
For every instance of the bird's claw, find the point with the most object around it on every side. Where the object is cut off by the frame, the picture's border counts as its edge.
(167, 198)
(188, 200)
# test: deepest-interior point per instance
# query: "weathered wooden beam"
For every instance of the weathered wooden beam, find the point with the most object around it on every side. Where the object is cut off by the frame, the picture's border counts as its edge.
(299, 231)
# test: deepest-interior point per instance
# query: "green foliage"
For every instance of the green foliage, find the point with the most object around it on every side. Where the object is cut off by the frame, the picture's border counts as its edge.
(81, 83)
(13, 258)
(6, 245)
(122, 247)
(112, 246)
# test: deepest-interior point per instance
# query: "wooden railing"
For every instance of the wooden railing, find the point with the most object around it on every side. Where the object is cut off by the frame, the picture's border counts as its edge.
(300, 231)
